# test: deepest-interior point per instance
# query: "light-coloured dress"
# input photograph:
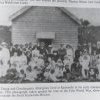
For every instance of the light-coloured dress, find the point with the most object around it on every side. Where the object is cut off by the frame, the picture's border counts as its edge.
(23, 63)
(84, 61)
(14, 61)
(5, 59)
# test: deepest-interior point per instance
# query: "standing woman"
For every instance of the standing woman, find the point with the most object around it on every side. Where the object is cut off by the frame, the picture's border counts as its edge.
(5, 58)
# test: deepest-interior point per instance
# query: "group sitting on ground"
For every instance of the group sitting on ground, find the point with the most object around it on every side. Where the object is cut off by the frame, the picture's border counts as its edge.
(33, 63)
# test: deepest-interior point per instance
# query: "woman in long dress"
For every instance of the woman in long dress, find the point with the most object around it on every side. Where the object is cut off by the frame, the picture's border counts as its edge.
(5, 58)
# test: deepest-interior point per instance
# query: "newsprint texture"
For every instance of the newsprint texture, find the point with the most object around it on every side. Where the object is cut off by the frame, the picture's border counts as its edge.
(49, 49)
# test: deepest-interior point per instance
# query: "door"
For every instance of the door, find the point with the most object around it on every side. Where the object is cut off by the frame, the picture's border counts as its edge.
(46, 42)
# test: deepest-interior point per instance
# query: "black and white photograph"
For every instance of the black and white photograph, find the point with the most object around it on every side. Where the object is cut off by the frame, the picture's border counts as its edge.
(40, 44)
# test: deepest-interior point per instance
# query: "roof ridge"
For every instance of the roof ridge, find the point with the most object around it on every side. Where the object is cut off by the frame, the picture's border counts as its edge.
(24, 9)
(19, 12)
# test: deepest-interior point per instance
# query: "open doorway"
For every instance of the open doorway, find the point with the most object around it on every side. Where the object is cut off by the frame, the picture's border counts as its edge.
(46, 42)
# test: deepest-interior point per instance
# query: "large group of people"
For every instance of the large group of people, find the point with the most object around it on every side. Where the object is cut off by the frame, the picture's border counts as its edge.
(33, 63)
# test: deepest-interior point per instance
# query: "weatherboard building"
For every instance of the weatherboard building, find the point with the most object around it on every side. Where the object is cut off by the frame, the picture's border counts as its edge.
(51, 25)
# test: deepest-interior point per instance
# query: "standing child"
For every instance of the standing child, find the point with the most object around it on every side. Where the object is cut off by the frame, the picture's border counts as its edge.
(93, 73)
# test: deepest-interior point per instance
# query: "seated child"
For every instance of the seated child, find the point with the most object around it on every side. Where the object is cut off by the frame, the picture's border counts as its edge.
(12, 75)
(40, 63)
(35, 51)
(28, 55)
(67, 62)
(93, 72)
(60, 63)
(85, 61)
(67, 74)
(47, 73)
(55, 56)
(76, 70)
(14, 61)
(59, 69)
(30, 76)
(52, 76)
(51, 63)
(22, 76)
(33, 62)
(22, 62)
(38, 73)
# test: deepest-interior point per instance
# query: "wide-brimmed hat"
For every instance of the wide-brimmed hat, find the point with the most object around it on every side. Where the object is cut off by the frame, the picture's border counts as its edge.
(3, 44)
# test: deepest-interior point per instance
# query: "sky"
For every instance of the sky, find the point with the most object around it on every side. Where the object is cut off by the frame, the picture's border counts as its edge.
(91, 14)
(6, 12)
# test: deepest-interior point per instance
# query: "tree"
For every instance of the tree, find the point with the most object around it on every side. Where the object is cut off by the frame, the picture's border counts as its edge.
(85, 23)
(83, 31)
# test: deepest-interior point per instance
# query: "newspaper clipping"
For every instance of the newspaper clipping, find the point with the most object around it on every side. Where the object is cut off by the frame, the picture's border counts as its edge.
(49, 49)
